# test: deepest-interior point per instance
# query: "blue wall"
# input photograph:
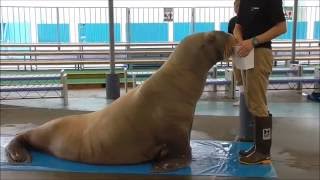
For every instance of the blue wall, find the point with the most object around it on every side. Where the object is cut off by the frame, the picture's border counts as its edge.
(316, 32)
(224, 26)
(139, 32)
(204, 27)
(48, 33)
(97, 32)
(181, 30)
(301, 31)
(148, 32)
(15, 32)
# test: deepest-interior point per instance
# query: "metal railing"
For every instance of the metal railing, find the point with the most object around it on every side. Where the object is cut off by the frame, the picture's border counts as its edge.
(90, 24)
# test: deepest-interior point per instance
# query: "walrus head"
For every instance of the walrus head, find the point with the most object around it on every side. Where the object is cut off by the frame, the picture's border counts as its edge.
(218, 45)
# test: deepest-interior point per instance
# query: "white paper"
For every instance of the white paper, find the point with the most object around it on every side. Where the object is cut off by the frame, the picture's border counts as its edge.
(243, 63)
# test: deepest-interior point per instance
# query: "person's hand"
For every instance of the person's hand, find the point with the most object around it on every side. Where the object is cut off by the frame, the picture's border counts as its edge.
(245, 47)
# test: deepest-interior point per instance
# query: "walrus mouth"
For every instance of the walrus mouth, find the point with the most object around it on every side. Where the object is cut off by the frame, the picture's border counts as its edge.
(228, 47)
(228, 50)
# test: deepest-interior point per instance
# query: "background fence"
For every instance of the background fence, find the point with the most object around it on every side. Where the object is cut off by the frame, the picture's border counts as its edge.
(90, 25)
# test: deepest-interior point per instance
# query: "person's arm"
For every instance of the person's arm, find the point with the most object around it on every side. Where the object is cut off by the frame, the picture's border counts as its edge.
(247, 45)
(275, 31)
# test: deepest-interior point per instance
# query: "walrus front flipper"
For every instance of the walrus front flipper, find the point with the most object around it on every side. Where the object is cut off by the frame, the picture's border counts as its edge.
(172, 162)
(17, 152)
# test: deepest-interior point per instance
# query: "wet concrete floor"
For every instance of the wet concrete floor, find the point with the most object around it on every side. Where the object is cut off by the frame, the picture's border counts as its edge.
(295, 148)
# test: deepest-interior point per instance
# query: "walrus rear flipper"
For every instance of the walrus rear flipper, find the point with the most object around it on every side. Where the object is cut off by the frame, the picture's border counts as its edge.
(16, 150)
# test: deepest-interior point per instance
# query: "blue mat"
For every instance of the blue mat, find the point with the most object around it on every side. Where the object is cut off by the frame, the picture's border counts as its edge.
(210, 158)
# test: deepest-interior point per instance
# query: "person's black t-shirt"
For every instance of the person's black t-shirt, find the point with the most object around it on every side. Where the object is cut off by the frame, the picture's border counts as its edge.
(231, 24)
(258, 16)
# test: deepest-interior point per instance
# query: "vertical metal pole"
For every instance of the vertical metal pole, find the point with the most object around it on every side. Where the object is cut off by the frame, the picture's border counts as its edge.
(128, 25)
(192, 20)
(126, 79)
(64, 91)
(13, 26)
(19, 25)
(134, 80)
(111, 35)
(113, 83)
(317, 75)
(215, 75)
(294, 32)
(58, 28)
(300, 74)
(25, 26)
(128, 36)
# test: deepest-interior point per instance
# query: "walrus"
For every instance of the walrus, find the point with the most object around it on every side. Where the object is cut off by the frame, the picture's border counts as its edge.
(151, 123)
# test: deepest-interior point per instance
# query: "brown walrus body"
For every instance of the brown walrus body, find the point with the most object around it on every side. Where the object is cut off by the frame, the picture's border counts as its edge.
(151, 122)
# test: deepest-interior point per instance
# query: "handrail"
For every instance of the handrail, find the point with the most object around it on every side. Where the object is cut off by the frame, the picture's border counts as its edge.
(72, 62)
(86, 45)
(119, 61)
(86, 52)
(299, 48)
(107, 52)
(119, 44)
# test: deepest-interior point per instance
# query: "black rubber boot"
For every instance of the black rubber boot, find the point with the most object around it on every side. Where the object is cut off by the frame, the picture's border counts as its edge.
(261, 153)
(252, 148)
(246, 129)
(243, 153)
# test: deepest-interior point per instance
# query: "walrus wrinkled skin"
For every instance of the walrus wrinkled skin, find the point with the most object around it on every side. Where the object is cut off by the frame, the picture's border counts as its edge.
(150, 123)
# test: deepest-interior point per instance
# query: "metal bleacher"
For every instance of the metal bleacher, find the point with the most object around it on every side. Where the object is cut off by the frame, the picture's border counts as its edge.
(34, 86)
(96, 56)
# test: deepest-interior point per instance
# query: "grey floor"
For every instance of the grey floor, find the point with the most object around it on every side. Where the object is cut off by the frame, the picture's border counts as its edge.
(295, 149)
(282, 103)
